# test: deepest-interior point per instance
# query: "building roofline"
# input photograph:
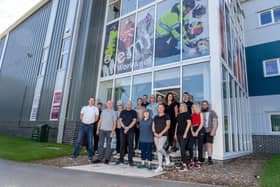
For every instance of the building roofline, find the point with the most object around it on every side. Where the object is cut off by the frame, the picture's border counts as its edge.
(24, 17)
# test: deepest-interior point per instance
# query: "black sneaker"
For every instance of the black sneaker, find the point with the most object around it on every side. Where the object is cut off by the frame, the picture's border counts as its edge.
(131, 164)
(96, 161)
(106, 162)
(210, 162)
(119, 162)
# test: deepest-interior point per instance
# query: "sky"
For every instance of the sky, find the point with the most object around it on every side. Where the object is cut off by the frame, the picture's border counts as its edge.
(12, 10)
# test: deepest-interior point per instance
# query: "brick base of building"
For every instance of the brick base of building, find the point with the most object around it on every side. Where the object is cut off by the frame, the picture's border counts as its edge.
(266, 143)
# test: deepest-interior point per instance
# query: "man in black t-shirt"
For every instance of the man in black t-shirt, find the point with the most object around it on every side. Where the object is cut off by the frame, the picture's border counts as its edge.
(188, 102)
(127, 121)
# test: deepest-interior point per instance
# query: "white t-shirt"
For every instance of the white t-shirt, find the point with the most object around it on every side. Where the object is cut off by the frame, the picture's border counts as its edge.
(89, 113)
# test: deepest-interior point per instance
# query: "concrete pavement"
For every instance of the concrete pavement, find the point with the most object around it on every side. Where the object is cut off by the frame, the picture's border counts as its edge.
(14, 174)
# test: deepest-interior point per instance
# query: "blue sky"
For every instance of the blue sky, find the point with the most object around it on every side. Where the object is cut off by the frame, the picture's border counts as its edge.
(12, 10)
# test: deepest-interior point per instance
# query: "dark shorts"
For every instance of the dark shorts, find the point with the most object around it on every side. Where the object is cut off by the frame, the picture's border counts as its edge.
(209, 138)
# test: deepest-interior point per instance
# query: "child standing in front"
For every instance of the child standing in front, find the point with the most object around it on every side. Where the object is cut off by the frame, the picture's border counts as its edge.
(146, 140)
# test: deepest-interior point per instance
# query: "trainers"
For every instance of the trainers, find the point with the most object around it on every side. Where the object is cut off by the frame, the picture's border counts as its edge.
(159, 169)
(149, 166)
(191, 164)
(96, 161)
(119, 162)
(72, 158)
(106, 162)
(167, 160)
(183, 168)
(197, 165)
(179, 166)
(89, 161)
(210, 162)
(140, 166)
(131, 164)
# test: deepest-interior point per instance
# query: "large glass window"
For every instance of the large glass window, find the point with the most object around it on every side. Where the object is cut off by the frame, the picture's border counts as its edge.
(113, 10)
(196, 81)
(122, 90)
(167, 49)
(105, 91)
(128, 6)
(144, 2)
(109, 56)
(125, 44)
(144, 43)
(142, 84)
(226, 109)
(167, 78)
(195, 30)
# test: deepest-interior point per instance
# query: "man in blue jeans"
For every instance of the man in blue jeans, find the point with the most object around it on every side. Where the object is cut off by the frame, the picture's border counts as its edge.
(89, 114)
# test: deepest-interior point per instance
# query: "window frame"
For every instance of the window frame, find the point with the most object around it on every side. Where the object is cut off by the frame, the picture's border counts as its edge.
(271, 10)
(264, 67)
(270, 124)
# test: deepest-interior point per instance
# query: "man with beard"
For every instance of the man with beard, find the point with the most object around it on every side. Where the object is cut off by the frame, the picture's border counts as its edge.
(210, 122)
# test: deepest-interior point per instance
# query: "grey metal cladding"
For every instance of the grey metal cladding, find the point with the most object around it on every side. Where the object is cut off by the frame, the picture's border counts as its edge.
(53, 60)
(20, 66)
(2, 42)
(85, 71)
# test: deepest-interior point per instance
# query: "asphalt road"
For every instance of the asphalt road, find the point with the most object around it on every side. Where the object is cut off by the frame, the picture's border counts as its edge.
(14, 174)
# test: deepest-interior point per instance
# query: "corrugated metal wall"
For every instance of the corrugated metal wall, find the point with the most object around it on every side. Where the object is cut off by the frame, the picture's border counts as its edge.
(2, 42)
(20, 66)
(85, 71)
(53, 60)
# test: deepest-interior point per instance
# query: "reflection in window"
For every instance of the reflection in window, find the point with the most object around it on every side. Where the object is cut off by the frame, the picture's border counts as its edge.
(122, 90)
(144, 43)
(142, 84)
(275, 122)
(167, 78)
(167, 49)
(196, 81)
(265, 18)
(276, 13)
(63, 62)
(105, 91)
(226, 109)
(144, 2)
(125, 45)
(128, 6)
(113, 11)
(271, 67)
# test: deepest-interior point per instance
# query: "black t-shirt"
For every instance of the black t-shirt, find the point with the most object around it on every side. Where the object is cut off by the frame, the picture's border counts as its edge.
(160, 123)
(145, 104)
(182, 123)
(127, 117)
(189, 106)
(169, 109)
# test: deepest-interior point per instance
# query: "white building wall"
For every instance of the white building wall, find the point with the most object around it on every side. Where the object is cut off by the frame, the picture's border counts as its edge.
(254, 33)
(260, 108)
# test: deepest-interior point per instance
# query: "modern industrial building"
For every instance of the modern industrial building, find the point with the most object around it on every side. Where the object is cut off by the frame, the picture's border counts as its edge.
(262, 42)
(61, 52)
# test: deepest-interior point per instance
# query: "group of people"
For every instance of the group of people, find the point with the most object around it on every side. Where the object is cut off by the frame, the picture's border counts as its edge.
(165, 125)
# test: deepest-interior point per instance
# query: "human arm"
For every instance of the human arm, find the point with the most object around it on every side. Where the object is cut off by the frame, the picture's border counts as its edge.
(189, 123)
(201, 124)
(165, 129)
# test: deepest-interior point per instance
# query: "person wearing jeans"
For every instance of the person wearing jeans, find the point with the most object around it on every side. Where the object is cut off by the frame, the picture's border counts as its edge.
(160, 127)
(106, 129)
(88, 115)
(127, 121)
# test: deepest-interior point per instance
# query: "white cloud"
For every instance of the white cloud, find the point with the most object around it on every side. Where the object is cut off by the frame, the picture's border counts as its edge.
(12, 10)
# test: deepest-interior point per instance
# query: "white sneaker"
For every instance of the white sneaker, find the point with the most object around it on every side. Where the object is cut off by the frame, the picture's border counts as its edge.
(167, 160)
(159, 169)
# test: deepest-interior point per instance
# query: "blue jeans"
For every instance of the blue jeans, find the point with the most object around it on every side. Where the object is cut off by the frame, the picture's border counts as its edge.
(85, 130)
(146, 151)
